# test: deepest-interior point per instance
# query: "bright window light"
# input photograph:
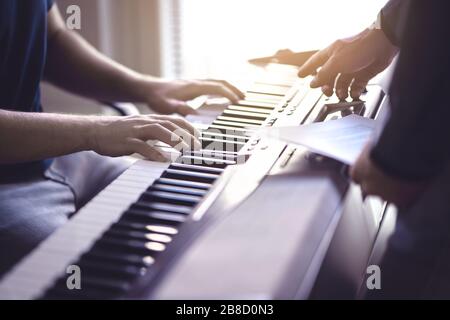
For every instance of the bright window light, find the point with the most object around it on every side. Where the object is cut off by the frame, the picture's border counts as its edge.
(218, 35)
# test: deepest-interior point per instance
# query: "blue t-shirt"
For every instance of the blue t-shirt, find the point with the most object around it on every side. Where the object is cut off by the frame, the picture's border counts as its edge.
(23, 48)
(23, 45)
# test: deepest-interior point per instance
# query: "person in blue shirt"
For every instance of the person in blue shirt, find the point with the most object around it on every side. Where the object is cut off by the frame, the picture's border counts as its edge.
(52, 164)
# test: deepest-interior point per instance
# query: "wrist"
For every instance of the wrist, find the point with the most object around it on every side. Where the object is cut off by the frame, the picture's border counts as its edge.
(145, 88)
(91, 131)
(382, 43)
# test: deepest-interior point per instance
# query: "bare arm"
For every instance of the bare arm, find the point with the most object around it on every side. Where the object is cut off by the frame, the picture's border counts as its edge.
(26, 137)
(32, 136)
(73, 64)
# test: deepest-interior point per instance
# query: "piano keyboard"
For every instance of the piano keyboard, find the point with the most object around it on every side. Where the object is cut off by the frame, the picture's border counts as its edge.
(117, 237)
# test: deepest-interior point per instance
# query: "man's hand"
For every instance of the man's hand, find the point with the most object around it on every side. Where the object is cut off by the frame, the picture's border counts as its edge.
(374, 181)
(171, 96)
(118, 136)
(349, 64)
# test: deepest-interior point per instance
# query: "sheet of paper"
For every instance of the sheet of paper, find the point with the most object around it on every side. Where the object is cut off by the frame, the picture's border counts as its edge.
(342, 139)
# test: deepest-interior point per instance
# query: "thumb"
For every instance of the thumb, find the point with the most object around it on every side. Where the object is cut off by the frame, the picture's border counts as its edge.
(182, 108)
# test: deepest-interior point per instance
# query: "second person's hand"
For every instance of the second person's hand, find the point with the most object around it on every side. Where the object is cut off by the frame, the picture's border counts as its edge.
(374, 181)
(171, 96)
(348, 64)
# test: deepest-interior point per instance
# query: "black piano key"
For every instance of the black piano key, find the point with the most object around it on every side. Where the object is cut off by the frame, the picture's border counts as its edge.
(167, 228)
(218, 152)
(230, 125)
(130, 246)
(220, 145)
(112, 257)
(244, 115)
(214, 134)
(94, 269)
(233, 125)
(197, 168)
(97, 284)
(170, 198)
(184, 183)
(201, 161)
(108, 284)
(261, 102)
(138, 235)
(190, 176)
(180, 190)
(257, 104)
(136, 213)
(209, 154)
(151, 207)
(239, 125)
(250, 109)
(205, 161)
(230, 130)
(240, 120)
(273, 93)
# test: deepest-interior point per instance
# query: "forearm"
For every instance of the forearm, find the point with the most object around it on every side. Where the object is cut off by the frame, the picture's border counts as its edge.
(26, 137)
(74, 65)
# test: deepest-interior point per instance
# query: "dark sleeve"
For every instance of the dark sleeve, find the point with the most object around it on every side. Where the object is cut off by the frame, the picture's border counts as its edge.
(393, 18)
(49, 4)
(415, 143)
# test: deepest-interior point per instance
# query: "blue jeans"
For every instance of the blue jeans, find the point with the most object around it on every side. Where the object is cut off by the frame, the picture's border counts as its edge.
(34, 204)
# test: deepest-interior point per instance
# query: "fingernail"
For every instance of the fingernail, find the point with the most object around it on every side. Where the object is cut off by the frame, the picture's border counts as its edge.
(314, 83)
(342, 94)
(355, 94)
(327, 90)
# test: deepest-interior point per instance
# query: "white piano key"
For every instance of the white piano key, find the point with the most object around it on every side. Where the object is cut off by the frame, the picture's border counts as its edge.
(38, 271)
(132, 184)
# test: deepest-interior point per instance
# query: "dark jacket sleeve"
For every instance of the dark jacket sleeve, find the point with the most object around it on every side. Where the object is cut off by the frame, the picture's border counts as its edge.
(393, 19)
(415, 143)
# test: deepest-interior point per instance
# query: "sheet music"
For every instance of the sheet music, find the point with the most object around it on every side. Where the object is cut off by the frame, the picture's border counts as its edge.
(342, 139)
